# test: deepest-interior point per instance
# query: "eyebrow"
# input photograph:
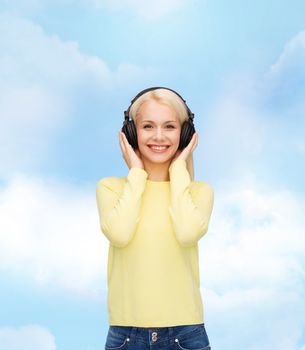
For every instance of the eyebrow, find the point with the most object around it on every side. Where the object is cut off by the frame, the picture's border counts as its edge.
(151, 121)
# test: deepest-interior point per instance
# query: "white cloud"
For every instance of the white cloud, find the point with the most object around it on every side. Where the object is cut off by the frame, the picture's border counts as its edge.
(259, 121)
(30, 55)
(252, 259)
(42, 81)
(259, 231)
(236, 136)
(149, 10)
(30, 337)
(253, 268)
(255, 319)
(252, 263)
(50, 232)
(292, 59)
(284, 83)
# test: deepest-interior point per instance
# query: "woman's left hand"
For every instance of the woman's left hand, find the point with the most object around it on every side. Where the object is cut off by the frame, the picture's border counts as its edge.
(187, 151)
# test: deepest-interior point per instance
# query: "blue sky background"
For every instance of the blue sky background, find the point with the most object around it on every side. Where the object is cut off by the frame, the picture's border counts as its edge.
(68, 69)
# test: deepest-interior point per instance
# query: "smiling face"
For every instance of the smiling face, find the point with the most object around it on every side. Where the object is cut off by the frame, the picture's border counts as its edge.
(157, 124)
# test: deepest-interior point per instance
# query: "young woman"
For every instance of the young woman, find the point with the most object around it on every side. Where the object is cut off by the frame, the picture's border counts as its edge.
(153, 219)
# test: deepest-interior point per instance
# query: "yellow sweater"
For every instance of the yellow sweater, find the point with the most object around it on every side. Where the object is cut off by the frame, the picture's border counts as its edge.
(153, 228)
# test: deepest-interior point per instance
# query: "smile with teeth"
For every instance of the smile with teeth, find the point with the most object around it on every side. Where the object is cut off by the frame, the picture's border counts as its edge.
(158, 149)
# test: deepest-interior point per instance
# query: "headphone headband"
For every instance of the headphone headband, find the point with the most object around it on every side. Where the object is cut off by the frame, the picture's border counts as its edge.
(126, 113)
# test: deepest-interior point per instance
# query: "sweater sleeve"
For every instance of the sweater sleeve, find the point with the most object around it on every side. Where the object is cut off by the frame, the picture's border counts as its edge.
(190, 206)
(119, 208)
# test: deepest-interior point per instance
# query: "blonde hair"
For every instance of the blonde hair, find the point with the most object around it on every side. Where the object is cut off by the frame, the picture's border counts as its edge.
(163, 96)
(168, 98)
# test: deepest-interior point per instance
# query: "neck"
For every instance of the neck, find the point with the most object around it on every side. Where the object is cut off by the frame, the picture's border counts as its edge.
(157, 171)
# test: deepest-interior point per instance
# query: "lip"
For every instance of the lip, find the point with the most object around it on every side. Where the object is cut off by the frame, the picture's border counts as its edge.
(158, 151)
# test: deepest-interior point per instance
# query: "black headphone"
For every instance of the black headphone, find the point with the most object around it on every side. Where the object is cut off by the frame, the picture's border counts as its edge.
(187, 128)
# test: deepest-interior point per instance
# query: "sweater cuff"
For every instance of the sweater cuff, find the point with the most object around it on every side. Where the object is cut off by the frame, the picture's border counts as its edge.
(137, 174)
(179, 175)
(177, 164)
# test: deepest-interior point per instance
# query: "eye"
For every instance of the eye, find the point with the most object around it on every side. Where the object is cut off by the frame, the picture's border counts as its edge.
(146, 125)
(171, 126)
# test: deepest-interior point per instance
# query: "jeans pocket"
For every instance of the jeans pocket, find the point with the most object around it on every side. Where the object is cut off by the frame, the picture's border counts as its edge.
(116, 341)
(197, 340)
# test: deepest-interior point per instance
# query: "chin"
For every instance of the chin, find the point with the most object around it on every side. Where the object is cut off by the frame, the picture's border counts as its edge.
(157, 158)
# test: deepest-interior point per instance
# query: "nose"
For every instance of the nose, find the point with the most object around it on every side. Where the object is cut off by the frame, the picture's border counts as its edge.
(158, 135)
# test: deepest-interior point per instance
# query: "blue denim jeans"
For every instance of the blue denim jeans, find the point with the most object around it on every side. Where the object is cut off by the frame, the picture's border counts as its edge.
(185, 337)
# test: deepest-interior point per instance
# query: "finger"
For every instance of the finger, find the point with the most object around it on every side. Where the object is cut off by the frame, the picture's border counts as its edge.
(122, 145)
(126, 143)
(129, 151)
(123, 149)
(124, 137)
(191, 143)
(194, 137)
(190, 147)
(121, 140)
(196, 141)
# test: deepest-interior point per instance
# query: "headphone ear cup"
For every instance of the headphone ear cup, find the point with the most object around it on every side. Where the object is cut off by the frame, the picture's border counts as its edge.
(129, 129)
(187, 132)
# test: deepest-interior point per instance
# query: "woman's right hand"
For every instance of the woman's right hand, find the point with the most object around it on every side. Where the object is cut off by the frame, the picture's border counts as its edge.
(132, 157)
